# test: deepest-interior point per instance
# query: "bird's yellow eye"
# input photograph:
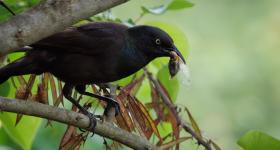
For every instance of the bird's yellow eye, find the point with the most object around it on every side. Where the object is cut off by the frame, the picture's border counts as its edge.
(158, 41)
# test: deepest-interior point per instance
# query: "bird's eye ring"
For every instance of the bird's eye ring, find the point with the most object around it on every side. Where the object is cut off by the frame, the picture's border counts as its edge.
(158, 41)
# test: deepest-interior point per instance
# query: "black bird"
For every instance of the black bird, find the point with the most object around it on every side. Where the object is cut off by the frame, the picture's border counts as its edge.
(92, 54)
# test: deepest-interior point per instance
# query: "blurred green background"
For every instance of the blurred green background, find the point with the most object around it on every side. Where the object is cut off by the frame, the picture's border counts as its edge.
(234, 61)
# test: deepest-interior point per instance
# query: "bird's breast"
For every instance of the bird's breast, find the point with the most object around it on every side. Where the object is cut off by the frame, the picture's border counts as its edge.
(130, 61)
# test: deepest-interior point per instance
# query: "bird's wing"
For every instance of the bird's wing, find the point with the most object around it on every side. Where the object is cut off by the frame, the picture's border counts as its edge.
(89, 39)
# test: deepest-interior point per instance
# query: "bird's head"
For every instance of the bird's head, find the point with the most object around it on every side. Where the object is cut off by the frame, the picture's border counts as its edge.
(155, 42)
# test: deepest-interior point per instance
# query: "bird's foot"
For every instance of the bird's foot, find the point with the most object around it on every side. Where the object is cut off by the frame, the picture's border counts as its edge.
(112, 104)
(92, 122)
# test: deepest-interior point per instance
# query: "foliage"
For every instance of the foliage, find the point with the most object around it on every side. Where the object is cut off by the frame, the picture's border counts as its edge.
(256, 140)
(173, 5)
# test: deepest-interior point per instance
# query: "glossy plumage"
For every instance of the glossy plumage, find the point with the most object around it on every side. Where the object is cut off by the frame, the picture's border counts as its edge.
(93, 53)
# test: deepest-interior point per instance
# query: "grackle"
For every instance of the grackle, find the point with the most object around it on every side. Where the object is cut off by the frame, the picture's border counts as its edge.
(92, 54)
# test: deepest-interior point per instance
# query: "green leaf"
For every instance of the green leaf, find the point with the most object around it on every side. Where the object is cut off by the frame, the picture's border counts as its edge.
(32, 2)
(15, 56)
(4, 89)
(6, 141)
(144, 91)
(16, 6)
(164, 128)
(3, 137)
(155, 10)
(171, 85)
(256, 140)
(179, 4)
(174, 5)
(24, 133)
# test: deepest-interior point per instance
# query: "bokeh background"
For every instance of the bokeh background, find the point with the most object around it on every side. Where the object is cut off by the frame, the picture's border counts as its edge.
(234, 64)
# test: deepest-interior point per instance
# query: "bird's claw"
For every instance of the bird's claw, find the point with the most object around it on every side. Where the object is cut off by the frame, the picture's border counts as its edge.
(115, 105)
(92, 122)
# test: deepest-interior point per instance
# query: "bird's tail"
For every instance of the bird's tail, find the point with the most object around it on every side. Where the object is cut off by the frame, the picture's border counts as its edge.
(21, 66)
(3, 76)
(22, 49)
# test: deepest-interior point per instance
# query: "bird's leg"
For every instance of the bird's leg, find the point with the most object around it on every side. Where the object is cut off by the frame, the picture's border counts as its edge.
(5, 6)
(67, 92)
(111, 110)
(110, 102)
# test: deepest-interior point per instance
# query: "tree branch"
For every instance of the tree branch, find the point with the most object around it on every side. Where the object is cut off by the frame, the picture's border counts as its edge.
(173, 109)
(47, 18)
(76, 119)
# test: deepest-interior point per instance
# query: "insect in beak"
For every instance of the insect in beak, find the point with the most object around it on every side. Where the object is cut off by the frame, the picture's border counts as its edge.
(174, 63)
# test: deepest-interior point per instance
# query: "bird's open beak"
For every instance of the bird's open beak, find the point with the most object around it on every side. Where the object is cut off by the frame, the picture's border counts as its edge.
(174, 63)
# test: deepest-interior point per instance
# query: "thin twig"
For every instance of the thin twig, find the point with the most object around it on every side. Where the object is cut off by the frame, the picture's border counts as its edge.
(139, 17)
(173, 109)
(103, 129)
(4, 5)
(110, 116)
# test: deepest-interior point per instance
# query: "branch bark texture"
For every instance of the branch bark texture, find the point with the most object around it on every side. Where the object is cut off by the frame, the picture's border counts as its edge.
(104, 129)
(47, 18)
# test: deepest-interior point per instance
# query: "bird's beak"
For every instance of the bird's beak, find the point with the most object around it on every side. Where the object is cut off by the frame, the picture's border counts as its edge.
(178, 56)
(174, 63)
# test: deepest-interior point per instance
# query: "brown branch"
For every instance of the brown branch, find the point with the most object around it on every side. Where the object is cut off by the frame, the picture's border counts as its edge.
(76, 119)
(47, 18)
(173, 109)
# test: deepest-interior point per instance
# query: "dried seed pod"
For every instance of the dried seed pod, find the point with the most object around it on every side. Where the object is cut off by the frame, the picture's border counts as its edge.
(21, 92)
(174, 67)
